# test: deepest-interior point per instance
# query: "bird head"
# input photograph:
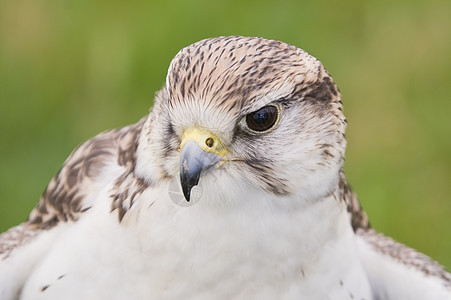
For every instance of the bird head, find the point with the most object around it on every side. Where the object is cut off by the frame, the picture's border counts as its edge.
(245, 114)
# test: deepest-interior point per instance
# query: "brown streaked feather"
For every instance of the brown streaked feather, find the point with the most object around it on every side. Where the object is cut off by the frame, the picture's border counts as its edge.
(126, 188)
(385, 245)
(232, 71)
(63, 198)
(404, 255)
(15, 237)
(358, 217)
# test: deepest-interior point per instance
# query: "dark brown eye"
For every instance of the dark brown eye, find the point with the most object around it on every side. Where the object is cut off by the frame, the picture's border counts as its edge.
(263, 119)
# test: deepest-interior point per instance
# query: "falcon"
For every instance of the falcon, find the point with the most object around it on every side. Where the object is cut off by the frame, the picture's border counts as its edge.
(232, 187)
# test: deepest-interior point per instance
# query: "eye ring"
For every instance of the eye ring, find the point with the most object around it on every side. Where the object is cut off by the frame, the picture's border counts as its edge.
(263, 119)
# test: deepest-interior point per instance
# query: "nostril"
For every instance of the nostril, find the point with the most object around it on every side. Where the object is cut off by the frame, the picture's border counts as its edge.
(209, 142)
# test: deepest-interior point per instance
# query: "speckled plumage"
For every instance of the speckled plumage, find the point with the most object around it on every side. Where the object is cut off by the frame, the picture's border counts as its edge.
(276, 220)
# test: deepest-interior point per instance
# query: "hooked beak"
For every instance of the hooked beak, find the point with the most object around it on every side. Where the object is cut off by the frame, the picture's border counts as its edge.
(201, 151)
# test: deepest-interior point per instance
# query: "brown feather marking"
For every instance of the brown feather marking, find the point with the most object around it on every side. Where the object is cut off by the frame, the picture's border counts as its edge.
(239, 70)
(63, 197)
(359, 219)
(125, 191)
(14, 238)
(386, 245)
(405, 255)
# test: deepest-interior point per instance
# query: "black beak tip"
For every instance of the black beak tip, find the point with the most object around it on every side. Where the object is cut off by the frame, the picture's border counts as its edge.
(189, 180)
(187, 193)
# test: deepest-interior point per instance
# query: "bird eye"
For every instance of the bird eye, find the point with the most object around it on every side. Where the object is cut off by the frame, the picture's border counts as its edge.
(263, 119)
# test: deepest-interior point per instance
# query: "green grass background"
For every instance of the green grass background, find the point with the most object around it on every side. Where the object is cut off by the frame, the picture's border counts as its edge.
(71, 69)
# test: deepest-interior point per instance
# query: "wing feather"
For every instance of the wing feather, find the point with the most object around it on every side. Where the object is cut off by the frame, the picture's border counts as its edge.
(358, 217)
(404, 255)
(67, 195)
(395, 270)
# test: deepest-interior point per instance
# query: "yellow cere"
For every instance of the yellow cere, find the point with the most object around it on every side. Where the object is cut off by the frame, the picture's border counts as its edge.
(200, 136)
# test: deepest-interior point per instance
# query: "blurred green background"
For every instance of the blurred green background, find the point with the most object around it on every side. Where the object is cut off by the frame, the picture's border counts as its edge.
(71, 69)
